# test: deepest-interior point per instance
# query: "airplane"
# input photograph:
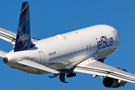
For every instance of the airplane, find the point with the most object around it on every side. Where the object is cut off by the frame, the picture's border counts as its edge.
(82, 50)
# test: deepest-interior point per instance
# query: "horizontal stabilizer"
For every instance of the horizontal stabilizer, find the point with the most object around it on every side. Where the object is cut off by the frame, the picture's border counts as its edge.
(2, 53)
(38, 66)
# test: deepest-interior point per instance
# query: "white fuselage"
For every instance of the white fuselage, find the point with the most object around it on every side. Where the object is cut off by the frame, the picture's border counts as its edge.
(64, 51)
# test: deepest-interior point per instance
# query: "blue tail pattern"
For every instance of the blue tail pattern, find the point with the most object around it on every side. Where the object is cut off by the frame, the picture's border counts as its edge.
(23, 38)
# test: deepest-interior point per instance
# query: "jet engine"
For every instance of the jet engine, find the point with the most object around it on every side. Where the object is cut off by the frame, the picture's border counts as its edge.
(113, 83)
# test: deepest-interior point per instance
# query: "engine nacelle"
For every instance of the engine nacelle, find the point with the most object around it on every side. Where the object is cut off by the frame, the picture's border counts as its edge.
(113, 83)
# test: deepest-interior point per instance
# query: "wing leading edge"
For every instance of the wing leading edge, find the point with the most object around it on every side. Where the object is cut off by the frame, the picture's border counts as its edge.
(91, 66)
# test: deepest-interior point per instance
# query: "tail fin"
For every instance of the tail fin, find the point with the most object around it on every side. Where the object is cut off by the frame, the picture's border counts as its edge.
(23, 38)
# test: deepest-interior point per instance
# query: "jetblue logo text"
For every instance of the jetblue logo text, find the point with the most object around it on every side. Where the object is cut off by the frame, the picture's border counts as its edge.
(104, 42)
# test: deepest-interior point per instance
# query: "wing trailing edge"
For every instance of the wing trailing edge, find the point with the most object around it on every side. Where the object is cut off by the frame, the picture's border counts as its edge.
(91, 66)
(7, 35)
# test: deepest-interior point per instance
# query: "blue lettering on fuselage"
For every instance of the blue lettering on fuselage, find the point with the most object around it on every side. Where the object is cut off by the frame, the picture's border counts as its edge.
(104, 42)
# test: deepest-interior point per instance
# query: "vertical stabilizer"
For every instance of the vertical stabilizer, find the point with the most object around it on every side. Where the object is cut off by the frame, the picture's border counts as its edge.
(23, 38)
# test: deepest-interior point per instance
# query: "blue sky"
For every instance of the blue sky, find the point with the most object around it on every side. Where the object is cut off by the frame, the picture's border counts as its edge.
(51, 17)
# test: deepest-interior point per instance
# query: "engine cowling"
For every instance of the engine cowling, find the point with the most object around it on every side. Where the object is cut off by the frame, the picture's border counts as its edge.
(113, 83)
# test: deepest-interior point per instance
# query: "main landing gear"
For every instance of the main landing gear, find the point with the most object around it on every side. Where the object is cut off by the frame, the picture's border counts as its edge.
(62, 76)
(71, 74)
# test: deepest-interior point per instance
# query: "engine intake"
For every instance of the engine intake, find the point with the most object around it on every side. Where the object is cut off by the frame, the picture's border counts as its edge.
(113, 83)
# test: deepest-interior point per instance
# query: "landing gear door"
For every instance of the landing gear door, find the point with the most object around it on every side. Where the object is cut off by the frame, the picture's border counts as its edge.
(42, 57)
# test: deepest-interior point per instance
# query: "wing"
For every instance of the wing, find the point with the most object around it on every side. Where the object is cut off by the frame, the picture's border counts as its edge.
(10, 36)
(38, 66)
(92, 66)
(2, 53)
(7, 35)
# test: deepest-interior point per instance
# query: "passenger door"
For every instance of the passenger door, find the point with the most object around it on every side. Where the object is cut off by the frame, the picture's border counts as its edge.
(42, 57)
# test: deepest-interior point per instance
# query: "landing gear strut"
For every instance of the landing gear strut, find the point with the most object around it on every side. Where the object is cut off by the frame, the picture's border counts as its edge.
(62, 76)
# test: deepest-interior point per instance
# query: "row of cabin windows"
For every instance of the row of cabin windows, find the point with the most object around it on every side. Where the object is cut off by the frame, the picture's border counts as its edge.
(68, 54)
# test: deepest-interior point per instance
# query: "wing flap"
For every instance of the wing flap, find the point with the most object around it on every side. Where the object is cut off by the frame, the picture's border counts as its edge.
(38, 66)
(98, 68)
(7, 35)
